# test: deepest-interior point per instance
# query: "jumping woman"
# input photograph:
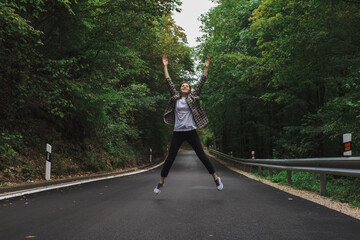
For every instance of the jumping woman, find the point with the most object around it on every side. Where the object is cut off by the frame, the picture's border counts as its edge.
(186, 114)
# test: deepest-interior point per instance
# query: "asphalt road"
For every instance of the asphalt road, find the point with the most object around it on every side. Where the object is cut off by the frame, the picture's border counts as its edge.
(189, 207)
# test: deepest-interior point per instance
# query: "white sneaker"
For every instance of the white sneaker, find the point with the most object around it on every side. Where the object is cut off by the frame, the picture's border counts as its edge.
(219, 184)
(157, 189)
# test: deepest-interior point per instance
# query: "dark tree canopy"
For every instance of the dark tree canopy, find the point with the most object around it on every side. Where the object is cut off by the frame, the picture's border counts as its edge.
(285, 76)
(87, 77)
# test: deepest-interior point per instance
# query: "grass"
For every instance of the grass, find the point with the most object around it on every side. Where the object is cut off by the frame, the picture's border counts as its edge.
(343, 189)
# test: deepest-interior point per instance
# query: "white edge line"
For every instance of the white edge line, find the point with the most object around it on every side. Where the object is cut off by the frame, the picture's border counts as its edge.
(36, 190)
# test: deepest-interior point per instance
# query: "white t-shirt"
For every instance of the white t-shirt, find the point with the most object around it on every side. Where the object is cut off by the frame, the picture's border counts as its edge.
(184, 120)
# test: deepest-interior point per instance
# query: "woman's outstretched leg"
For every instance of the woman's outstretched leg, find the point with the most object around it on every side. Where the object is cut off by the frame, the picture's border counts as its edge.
(195, 143)
(176, 141)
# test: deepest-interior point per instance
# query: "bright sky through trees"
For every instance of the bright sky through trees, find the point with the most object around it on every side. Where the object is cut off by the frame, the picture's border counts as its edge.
(188, 18)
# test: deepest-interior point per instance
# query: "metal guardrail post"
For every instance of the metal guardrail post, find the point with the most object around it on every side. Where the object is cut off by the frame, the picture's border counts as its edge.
(270, 172)
(323, 184)
(288, 176)
(259, 171)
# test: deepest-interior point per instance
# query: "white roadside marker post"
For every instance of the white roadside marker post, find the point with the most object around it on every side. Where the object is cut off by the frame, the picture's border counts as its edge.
(347, 144)
(252, 157)
(150, 154)
(48, 162)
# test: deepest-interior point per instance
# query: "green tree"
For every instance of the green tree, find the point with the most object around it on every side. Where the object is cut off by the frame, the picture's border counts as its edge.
(284, 76)
(86, 75)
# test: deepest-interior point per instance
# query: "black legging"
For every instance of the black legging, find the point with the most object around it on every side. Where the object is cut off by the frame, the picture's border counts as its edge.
(193, 139)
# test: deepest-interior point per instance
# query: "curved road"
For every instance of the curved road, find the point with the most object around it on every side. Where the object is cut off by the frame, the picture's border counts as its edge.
(189, 207)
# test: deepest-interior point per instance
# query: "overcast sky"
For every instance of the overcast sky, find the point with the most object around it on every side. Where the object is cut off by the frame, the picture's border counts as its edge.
(188, 18)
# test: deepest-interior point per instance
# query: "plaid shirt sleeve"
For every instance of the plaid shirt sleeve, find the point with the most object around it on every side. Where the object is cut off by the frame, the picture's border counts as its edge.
(200, 85)
(171, 86)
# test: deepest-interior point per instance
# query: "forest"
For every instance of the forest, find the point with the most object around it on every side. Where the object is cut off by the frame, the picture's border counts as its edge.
(285, 77)
(86, 77)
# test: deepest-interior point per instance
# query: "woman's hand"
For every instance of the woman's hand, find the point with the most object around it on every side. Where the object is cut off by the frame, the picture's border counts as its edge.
(207, 62)
(165, 60)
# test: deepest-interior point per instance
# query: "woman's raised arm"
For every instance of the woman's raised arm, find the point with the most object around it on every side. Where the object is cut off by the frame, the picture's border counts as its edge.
(167, 77)
(203, 78)
(165, 62)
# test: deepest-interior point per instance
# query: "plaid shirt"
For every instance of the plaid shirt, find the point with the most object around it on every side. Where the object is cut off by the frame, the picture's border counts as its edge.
(193, 100)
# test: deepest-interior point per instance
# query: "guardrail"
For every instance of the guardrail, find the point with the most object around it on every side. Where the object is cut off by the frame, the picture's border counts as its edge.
(343, 166)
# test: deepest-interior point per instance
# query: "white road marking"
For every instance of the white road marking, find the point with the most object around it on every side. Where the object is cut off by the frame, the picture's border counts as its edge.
(47, 188)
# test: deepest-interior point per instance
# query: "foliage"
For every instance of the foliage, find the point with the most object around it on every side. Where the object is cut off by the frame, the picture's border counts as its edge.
(10, 144)
(88, 73)
(344, 189)
(28, 172)
(284, 77)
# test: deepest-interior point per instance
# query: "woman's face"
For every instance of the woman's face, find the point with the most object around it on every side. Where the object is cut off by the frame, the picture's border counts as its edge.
(185, 88)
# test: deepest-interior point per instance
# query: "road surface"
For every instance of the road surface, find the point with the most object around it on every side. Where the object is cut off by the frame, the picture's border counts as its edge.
(189, 207)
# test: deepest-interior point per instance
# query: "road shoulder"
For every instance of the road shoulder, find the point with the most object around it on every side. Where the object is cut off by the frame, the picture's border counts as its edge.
(311, 196)
(25, 189)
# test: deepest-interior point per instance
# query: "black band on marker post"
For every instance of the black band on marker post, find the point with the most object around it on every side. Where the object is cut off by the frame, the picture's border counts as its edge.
(48, 156)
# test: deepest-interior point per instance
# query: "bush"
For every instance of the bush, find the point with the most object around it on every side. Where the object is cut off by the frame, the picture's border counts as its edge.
(28, 172)
(73, 169)
(344, 189)
(59, 167)
(8, 145)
